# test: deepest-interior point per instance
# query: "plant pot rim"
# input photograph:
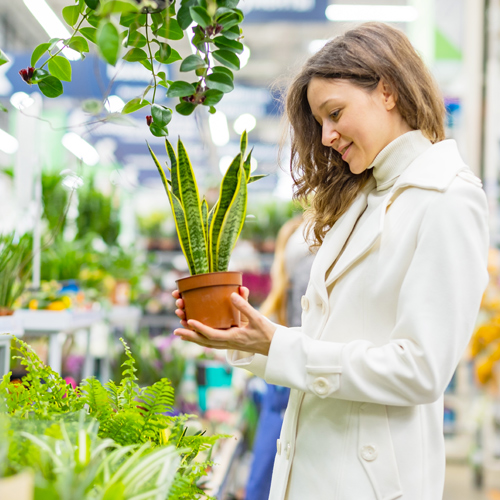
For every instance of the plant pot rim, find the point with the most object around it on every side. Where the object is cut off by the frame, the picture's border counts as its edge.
(219, 278)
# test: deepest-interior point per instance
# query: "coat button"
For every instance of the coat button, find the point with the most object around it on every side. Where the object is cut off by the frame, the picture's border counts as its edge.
(321, 386)
(288, 448)
(278, 446)
(369, 453)
(304, 302)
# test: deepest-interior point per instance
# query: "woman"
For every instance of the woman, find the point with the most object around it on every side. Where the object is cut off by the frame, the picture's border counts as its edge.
(395, 286)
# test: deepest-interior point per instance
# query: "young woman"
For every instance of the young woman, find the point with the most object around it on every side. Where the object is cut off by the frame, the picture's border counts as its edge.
(395, 286)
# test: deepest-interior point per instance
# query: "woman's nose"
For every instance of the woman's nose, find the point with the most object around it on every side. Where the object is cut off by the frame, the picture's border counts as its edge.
(329, 136)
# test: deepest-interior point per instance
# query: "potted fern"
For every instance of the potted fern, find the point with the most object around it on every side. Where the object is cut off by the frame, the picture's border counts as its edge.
(208, 236)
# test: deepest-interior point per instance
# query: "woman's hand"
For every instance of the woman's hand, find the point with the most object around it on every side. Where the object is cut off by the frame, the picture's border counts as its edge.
(254, 335)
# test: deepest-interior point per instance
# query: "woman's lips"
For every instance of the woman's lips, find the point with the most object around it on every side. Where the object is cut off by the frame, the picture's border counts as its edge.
(346, 152)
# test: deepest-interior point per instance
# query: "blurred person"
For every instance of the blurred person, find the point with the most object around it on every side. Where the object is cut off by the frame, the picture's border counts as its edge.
(395, 288)
(290, 273)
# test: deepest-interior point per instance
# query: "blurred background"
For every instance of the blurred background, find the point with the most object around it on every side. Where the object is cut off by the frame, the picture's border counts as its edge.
(109, 240)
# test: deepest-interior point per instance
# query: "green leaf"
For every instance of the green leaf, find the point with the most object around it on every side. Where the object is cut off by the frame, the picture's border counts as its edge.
(93, 20)
(212, 97)
(228, 58)
(163, 53)
(204, 216)
(174, 56)
(51, 87)
(92, 4)
(174, 174)
(117, 7)
(3, 108)
(136, 39)
(89, 34)
(134, 105)
(219, 81)
(134, 55)
(79, 44)
(230, 4)
(247, 164)
(180, 89)
(128, 19)
(157, 130)
(233, 33)
(53, 43)
(37, 53)
(233, 223)
(221, 11)
(147, 64)
(3, 58)
(212, 110)
(223, 70)
(224, 43)
(170, 30)
(244, 144)
(108, 41)
(191, 203)
(60, 67)
(39, 75)
(71, 13)
(185, 108)
(200, 16)
(192, 62)
(184, 17)
(179, 215)
(161, 114)
(92, 106)
(254, 178)
(229, 20)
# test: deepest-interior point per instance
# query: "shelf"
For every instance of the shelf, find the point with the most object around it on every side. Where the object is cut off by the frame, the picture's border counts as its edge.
(11, 325)
(45, 322)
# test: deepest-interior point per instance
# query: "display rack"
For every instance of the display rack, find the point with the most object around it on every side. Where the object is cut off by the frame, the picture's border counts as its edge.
(9, 326)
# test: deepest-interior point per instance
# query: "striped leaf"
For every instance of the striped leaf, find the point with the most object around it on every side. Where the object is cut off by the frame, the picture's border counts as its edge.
(210, 218)
(174, 174)
(190, 201)
(204, 215)
(233, 223)
(256, 178)
(247, 165)
(227, 190)
(243, 143)
(179, 216)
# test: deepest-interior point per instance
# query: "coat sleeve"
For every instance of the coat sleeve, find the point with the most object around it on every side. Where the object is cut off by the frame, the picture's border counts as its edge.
(436, 312)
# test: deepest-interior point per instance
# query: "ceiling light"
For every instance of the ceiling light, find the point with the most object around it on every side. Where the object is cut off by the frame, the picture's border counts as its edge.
(114, 104)
(316, 45)
(218, 128)
(80, 148)
(244, 56)
(21, 100)
(8, 143)
(244, 122)
(385, 13)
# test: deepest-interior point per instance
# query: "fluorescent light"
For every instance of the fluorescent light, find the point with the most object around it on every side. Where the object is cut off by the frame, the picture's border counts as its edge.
(218, 128)
(21, 100)
(244, 56)
(316, 45)
(8, 143)
(244, 122)
(114, 104)
(385, 13)
(80, 148)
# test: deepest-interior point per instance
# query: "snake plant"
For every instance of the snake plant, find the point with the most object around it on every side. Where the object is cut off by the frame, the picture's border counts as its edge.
(207, 236)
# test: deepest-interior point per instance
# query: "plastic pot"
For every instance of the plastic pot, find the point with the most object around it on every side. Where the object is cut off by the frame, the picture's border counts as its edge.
(207, 298)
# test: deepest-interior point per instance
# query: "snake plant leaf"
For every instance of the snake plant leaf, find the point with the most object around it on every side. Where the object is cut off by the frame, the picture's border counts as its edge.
(243, 143)
(233, 223)
(174, 174)
(227, 190)
(247, 165)
(204, 215)
(179, 216)
(210, 218)
(256, 178)
(190, 201)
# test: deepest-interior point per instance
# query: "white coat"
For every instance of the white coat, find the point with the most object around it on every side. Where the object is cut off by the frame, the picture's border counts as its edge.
(369, 366)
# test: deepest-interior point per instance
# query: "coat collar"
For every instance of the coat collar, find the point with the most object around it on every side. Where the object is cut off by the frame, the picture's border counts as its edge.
(434, 169)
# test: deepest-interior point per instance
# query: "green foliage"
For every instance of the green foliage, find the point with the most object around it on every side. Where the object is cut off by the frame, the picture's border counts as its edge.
(55, 200)
(207, 238)
(15, 264)
(145, 32)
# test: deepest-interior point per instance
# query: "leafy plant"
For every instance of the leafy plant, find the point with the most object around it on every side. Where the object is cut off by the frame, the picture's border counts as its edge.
(15, 264)
(55, 200)
(145, 28)
(207, 237)
(3, 60)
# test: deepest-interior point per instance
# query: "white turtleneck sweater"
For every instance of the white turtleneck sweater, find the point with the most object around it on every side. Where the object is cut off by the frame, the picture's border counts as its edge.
(387, 166)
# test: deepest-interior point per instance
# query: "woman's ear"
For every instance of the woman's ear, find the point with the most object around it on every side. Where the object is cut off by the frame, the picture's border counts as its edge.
(387, 94)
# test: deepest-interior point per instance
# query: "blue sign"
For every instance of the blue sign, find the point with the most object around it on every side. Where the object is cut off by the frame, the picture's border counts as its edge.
(266, 11)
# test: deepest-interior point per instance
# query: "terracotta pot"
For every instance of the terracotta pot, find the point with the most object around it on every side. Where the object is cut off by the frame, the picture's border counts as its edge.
(207, 298)
(6, 311)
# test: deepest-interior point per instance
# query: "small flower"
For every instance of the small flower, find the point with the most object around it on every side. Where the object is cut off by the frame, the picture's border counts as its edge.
(149, 120)
(218, 28)
(210, 30)
(27, 74)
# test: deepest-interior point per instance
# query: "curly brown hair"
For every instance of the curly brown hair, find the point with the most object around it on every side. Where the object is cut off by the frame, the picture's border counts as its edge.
(363, 56)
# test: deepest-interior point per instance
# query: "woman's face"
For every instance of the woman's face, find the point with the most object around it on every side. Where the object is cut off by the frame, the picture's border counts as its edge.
(356, 123)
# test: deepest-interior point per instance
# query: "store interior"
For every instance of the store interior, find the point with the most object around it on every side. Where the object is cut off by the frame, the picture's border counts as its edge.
(89, 253)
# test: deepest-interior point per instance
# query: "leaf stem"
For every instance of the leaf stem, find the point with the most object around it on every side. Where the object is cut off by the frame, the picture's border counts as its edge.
(151, 59)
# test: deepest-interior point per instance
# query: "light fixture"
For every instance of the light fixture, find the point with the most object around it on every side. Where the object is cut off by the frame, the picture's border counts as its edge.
(80, 148)
(316, 45)
(218, 128)
(246, 121)
(114, 104)
(8, 143)
(52, 25)
(21, 100)
(384, 13)
(224, 164)
(244, 56)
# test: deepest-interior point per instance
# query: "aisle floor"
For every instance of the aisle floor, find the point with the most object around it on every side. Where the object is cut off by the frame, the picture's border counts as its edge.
(459, 484)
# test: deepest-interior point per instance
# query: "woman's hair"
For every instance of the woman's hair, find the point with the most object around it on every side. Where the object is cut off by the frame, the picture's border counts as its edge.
(363, 56)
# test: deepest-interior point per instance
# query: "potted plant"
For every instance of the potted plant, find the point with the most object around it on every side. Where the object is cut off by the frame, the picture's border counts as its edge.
(207, 236)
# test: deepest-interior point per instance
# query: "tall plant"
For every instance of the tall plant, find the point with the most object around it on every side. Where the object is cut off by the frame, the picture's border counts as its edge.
(207, 237)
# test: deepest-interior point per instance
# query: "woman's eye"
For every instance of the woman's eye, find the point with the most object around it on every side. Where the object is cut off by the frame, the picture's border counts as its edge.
(335, 114)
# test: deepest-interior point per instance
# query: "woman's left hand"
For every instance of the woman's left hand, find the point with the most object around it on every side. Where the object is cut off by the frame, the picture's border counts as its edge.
(253, 336)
